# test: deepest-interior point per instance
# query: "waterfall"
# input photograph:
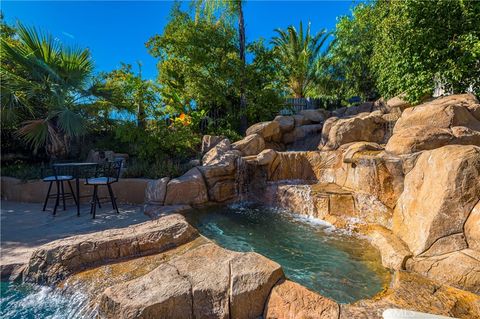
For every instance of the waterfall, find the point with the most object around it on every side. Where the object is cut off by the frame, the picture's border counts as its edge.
(241, 179)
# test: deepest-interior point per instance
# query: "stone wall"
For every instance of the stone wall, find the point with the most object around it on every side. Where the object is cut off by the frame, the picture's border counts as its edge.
(127, 190)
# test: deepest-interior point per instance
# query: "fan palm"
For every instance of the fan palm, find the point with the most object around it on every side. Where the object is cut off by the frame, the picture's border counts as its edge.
(42, 88)
(299, 53)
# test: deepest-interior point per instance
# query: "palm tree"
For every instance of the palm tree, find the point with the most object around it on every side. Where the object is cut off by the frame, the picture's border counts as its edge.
(299, 54)
(42, 89)
(233, 8)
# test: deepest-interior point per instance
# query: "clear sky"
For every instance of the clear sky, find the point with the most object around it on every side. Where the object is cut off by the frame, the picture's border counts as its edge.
(117, 31)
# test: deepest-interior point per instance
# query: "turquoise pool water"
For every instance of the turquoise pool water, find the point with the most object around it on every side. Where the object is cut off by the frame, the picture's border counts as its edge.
(334, 263)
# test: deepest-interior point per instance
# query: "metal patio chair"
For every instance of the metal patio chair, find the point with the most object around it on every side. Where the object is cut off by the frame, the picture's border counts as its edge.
(58, 176)
(105, 175)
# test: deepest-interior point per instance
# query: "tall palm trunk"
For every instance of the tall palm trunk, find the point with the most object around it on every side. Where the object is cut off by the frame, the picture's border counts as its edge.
(243, 98)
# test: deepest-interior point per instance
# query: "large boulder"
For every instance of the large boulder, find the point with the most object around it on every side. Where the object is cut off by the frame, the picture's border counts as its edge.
(444, 121)
(209, 142)
(250, 145)
(267, 130)
(289, 300)
(188, 189)
(314, 116)
(439, 194)
(204, 282)
(217, 152)
(266, 157)
(368, 128)
(57, 260)
(156, 190)
(285, 122)
(472, 228)
(459, 268)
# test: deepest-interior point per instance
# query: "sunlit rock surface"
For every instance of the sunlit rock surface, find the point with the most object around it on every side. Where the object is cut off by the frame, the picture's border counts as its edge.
(61, 258)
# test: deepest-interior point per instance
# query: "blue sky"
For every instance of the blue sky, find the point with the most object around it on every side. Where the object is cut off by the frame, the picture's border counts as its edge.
(117, 31)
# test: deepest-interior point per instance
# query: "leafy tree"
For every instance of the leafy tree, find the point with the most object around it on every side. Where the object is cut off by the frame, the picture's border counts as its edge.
(418, 43)
(122, 90)
(348, 71)
(233, 8)
(299, 53)
(42, 87)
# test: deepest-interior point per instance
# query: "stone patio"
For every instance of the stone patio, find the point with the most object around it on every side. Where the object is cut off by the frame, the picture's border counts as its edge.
(24, 226)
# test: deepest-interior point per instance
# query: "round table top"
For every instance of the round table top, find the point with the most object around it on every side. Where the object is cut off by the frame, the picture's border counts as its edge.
(74, 164)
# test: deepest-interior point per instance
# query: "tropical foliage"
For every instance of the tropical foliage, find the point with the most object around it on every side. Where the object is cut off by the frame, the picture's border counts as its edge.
(392, 47)
(299, 53)
(42, 87)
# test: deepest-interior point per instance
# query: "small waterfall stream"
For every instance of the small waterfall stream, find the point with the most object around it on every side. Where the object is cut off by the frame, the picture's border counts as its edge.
(241, 179)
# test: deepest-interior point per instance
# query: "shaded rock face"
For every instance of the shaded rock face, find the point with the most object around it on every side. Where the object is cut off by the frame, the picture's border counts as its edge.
(439, 194)
(156, 190)
(286, 123)
(61, 258)
(188, 189)
(394, 252)
(289, 300)
(204, 282)
(444, 121)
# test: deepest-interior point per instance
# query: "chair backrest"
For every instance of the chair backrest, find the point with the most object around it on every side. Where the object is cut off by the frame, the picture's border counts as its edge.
(113, 169)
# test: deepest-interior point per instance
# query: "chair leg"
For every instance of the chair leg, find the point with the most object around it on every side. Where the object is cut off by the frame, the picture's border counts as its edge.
(48, 195)
(72, 192)
(98, 202)
(94, 201)
(112, 198)
(58, 198)
(63, 195)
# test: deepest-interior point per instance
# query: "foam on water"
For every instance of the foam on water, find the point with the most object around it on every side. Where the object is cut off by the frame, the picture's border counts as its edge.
(33, 301)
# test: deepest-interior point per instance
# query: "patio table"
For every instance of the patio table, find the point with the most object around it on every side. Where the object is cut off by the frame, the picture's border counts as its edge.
(76, 168)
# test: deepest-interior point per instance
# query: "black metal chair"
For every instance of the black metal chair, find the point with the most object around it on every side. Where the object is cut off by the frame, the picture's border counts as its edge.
(58, 176)
(105, 175)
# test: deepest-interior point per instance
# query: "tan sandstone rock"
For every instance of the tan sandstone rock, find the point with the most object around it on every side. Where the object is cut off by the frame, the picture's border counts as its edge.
(250, 145)
(439, 193)
(205, 282)
(394, 252)
(266, 157)
(314, 116)
(443, 121)
(414, 292)
(368, 128)
(289, 300)
(267, 130)
(286, 123)
(472, 228)
(156, 190)
(217, 152)
(209, 142)
(57, 260)
(188, 189)
(459, 269)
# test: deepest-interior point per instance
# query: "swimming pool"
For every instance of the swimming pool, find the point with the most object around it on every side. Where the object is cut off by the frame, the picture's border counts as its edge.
(332, 262)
